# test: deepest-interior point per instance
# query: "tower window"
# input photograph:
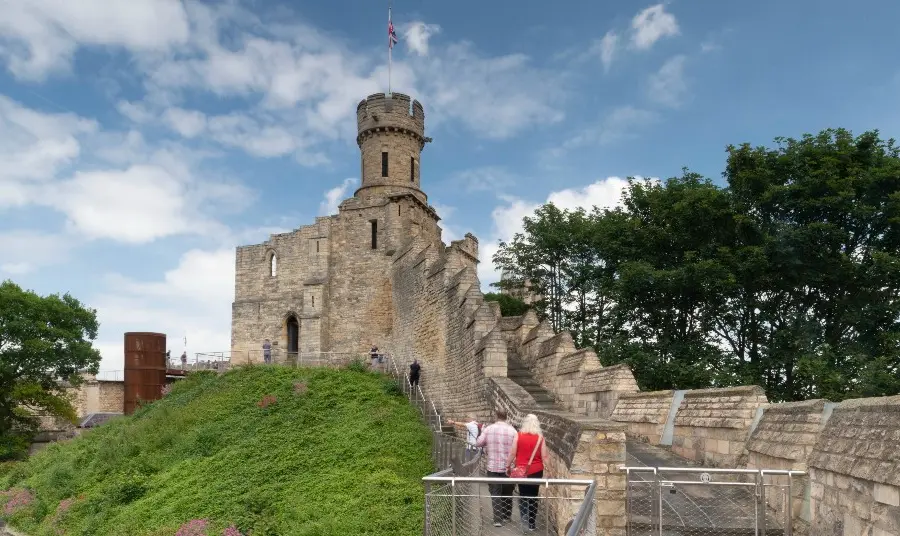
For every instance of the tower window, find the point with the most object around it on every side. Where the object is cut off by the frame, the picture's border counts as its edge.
(412, 169)
(384, 165)
(317, 246)
(313, 301)
(273, 265)
(374, 234)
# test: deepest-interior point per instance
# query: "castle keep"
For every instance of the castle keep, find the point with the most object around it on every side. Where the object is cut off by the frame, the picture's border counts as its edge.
(378, 273)
(326, 287)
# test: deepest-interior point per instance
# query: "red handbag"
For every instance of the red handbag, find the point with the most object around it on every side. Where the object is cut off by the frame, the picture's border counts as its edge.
(522, 472)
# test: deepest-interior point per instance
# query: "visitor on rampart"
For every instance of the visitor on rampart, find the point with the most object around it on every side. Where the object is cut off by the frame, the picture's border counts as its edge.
(183, 360)
(497, 440)
(414, 370)
(526, 460)
(267, 351)
(373, 354)
(473, 431)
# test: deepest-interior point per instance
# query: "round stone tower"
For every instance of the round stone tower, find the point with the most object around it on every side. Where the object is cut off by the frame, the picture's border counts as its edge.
(391, 136)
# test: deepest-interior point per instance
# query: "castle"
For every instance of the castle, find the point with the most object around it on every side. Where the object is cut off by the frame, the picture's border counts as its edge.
(377, 273)
(326, 287)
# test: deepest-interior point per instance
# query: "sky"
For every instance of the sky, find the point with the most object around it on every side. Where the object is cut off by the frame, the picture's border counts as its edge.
(141, 141)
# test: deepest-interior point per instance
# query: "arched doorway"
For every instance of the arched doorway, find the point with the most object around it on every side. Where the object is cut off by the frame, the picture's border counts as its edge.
(293, 337)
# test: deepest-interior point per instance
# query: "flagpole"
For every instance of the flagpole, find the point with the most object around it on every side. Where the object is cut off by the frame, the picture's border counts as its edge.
(390, 49)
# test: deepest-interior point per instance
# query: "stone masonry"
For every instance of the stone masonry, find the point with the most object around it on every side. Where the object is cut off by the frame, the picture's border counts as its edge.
(326, 287)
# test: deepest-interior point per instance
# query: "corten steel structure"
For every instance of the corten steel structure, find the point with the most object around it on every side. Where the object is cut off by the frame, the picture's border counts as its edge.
(145, 368)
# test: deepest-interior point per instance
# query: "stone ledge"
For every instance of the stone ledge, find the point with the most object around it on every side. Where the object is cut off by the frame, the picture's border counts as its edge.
(743, 390)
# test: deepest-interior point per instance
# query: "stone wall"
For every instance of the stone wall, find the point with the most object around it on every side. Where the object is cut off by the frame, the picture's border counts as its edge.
(574, 378)
(580, 448)
(95, 396)
(644, 414)
(442, 320)
(783, 439)
(712, 425)
(855, 470)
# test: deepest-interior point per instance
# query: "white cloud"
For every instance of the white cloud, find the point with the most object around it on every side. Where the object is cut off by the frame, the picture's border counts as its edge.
(651, 25)
(622, 123)
(668, 86)
(39, 37)
(148, 192)
(488, 178)
(507, 218)
(334, 196)
(188, 123)
(417, 34)
(35, 146)
(135, 205)
(606, 48)
(192, 300)
(26, 250)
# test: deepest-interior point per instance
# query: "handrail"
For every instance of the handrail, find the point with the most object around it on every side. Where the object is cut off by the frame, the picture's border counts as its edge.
(582, 517)
(403, 377)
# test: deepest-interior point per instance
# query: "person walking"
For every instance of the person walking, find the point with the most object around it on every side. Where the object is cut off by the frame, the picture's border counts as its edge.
(267, 351)
(473, 431)
(414, 370)
(184, 360)
(498, 439)
(526, 460)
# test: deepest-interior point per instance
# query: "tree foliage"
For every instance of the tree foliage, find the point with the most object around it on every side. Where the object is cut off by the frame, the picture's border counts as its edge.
(788, 276)
(44, 343)
(509, 305)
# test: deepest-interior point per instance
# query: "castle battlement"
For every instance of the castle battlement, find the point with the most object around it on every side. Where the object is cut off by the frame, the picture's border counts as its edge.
(397, 112)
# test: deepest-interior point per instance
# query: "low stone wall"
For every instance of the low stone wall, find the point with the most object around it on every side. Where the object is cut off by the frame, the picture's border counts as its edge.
(96, 396)
(783, 439)
(712, 425)
(644, 414)
(855, 470)
(600, 390)
(580, 448)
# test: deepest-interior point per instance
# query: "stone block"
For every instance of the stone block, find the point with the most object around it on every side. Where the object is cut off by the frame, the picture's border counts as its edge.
(886, 494)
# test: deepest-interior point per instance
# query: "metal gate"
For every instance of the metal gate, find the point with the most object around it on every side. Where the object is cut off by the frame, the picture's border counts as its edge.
(692, 501)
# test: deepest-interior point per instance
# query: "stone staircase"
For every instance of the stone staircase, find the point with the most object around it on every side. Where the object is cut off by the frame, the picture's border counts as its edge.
(518, 372)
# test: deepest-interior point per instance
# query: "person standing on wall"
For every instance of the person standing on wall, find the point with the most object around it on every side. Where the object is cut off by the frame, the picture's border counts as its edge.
(373, 354)
(183, 360)
(267, 351)
(497, 439)
(414, 370)
(526, 460)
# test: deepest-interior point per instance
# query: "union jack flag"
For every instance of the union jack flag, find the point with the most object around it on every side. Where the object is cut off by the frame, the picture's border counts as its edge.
(392, 35)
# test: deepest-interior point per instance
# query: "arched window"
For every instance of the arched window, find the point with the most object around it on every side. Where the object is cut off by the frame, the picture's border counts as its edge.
(273, 265)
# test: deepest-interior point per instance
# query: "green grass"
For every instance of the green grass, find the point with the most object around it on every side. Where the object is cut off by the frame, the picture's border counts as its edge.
(344, 458)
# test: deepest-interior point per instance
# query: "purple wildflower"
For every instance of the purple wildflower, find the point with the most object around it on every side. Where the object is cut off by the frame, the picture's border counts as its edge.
(194, 527)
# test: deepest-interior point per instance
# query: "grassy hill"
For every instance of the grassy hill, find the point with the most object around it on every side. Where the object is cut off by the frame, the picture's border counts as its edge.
(268, 450)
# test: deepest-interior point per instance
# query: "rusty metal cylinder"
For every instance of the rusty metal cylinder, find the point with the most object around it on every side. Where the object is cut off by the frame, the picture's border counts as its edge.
(145, 368)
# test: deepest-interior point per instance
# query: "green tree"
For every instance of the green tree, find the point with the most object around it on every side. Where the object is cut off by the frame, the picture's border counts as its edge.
(829, 208)
(509, 305)
(44, 343)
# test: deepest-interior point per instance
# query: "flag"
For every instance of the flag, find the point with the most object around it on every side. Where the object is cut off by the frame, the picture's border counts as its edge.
(392, 35)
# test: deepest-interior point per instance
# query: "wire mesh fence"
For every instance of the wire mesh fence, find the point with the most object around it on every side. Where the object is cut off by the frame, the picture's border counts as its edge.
(691, 501)
(470, 506)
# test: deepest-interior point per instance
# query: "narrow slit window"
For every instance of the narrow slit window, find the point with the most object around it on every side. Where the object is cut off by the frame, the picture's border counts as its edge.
(273, 265)
(398, 210)
(384, 164)
(374, 234)
(313, 301)
(317, 246)
(412, 169)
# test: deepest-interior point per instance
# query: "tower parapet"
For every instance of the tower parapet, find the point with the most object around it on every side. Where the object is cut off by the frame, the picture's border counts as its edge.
(391, 136)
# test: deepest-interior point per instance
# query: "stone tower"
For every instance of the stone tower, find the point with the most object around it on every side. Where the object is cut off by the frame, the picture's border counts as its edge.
(325, 289)
(391, 136)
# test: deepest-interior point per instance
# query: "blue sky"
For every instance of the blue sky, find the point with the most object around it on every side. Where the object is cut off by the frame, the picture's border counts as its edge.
(141, 141)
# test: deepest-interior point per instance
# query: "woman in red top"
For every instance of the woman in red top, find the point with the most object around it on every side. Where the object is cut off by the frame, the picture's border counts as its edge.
(529, 446)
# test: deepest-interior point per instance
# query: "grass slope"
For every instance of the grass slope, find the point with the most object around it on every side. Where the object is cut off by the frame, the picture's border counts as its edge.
(344, 458)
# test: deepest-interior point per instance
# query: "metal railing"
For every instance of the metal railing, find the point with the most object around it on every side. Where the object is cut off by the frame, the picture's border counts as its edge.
(695, 500)
(277, 356)
(415, 394)
(470, 506)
